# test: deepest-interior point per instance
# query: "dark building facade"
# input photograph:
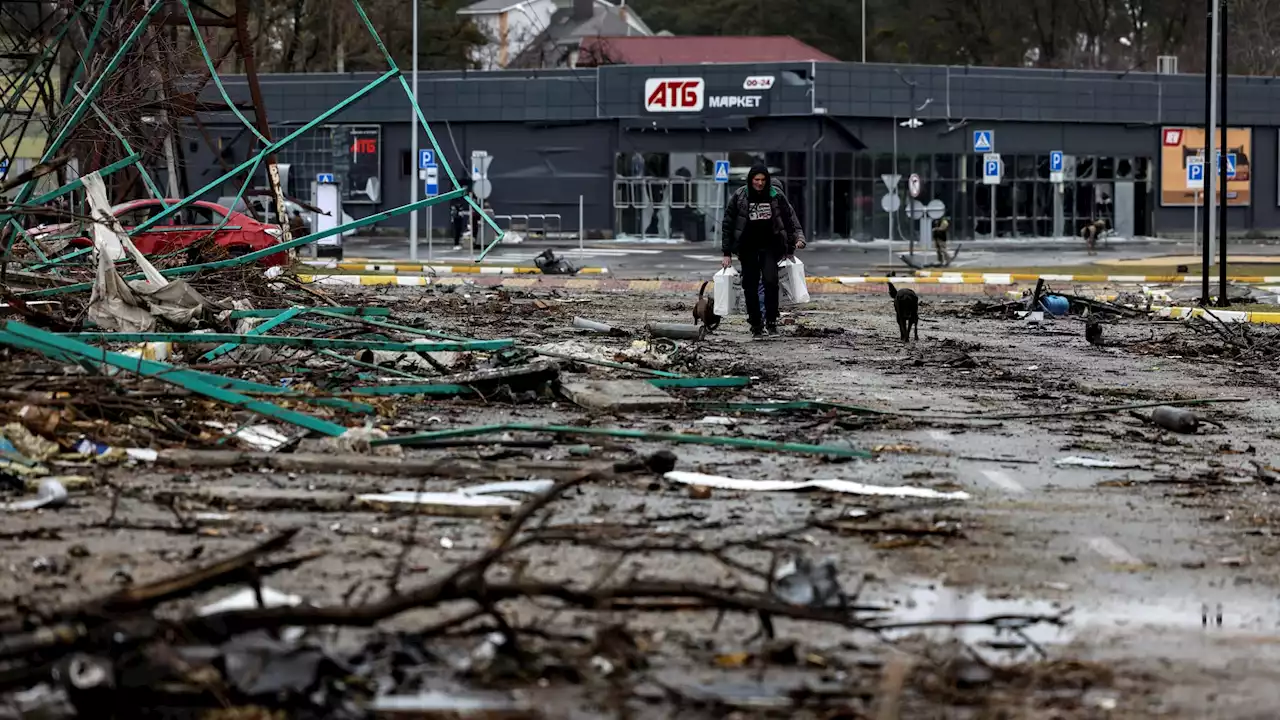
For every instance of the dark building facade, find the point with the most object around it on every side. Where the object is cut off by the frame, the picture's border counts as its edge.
(640, 145)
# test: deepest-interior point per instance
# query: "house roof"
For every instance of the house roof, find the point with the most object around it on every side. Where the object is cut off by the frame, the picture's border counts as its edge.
(563, 29)
(486, 7)
(695, 50)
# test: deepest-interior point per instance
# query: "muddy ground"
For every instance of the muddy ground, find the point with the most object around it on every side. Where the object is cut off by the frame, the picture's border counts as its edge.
(1165, 563)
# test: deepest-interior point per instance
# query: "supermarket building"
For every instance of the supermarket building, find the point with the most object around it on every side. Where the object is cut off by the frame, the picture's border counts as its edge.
(640, 145)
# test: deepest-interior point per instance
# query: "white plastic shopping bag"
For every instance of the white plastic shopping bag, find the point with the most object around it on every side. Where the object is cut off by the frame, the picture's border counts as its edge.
(791, 287)
(723, 292)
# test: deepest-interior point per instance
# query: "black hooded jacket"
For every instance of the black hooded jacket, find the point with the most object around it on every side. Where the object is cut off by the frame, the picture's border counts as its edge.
(786, 226)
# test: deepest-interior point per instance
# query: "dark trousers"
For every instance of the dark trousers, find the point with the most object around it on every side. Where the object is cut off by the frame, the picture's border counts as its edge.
(760, 266)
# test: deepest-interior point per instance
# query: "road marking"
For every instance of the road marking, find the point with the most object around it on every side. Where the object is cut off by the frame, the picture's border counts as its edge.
(940, 435)
(1001, 479)
(1107, 548)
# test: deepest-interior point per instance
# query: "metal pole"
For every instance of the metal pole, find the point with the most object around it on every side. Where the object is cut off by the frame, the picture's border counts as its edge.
(582, 229)
(864, 31)
(430, 233)
(893, 190)
(993, 212)
(1223, 33)
(1210, 158)
(413, 144)
(1195, 222)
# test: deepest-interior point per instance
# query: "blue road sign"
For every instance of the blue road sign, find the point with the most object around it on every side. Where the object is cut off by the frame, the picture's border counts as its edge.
(991, 169)
(433, 181)
(984, 141)
(324, 178)
(1195, 173)
(1231, 166)
(722, 171)
(426, 158)
(1055, 161)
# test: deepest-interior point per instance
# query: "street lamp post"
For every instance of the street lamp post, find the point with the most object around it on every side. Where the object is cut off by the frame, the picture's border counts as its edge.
(413, 134)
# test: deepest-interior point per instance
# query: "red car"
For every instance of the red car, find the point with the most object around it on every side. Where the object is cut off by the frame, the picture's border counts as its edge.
(239, 236)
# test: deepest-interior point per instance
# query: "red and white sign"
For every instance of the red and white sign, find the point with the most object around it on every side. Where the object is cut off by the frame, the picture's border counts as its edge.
(913, 185)
(674, 94)
(758, 82)
(1172, 137)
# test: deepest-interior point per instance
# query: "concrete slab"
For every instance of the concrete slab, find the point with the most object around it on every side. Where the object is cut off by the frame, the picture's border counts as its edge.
(616, 394)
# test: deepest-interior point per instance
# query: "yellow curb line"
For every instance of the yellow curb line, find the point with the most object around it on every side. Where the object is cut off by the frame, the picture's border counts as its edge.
(1007, 278)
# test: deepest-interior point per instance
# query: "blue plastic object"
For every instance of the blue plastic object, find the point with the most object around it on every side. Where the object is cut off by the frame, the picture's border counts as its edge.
(1055, 304)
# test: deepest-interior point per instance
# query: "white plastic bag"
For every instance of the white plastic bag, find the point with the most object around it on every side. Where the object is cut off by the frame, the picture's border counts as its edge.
(722, 293)
(791, 287)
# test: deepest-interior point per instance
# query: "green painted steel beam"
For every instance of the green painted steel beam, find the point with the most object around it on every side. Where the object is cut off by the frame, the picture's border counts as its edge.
(284, 341)
(717, 440)
(261, 329)
(61, 259)
(326, 312)
(343, 312)
(152, 188)
(213, 74)
(103, 12)
(259, 254)
(51, 150)
(372, 366)
(78, 183)
(268, 150)
(169, 374)
(243, 386)
(430, 388)
(697, 382)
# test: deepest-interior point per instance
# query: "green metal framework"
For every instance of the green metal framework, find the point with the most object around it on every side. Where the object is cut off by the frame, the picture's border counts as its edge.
(86, 104)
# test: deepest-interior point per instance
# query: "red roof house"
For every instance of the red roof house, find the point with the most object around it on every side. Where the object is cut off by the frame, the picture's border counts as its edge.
(696, 50)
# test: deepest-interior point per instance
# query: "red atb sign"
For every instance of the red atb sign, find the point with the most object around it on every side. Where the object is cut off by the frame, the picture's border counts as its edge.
(1172, 137)
(674, 94)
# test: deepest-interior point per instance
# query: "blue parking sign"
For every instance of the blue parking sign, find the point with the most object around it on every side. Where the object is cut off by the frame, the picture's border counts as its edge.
(426, 158)
(1055, 161)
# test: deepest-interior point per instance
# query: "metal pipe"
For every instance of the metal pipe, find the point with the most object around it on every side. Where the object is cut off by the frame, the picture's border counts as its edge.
(1223, 33)
(1210, 158)
(413, 133)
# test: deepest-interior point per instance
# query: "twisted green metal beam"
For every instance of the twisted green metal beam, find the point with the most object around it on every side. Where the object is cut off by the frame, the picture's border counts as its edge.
(213, 72)
(88, 51)
(259, 254)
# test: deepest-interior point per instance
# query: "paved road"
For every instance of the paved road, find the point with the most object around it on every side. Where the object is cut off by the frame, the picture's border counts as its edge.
(685, 260)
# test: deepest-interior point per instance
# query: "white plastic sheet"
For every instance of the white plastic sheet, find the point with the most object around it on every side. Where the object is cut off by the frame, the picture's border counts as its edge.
(722, 293)
(791, 287)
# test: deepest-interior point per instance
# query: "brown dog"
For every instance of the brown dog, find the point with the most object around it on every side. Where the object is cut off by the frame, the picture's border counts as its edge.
(704, 310)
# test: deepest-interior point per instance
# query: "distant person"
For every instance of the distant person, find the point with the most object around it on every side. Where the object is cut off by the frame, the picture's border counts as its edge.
(940, 228)
(458, 216)
(759, 228)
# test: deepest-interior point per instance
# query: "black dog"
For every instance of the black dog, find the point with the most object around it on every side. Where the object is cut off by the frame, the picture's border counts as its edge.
(704, 310)
(907, 307)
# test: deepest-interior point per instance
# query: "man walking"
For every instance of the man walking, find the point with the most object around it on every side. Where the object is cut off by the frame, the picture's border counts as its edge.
(759, 227)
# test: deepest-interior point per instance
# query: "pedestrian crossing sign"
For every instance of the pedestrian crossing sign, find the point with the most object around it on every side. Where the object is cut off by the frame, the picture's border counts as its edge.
(983, 141)
(722, 171)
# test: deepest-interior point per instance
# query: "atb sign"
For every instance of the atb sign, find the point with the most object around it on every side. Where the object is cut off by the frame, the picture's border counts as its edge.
(674, 95)
(1195, 175)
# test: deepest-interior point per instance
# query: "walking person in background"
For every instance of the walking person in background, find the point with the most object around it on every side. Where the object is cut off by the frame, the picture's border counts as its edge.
(459, 215)
(759, 227)
(795, 222)
(940, 228)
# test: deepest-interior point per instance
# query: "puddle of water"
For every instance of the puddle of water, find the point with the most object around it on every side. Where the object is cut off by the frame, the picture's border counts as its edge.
(1234, 618)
